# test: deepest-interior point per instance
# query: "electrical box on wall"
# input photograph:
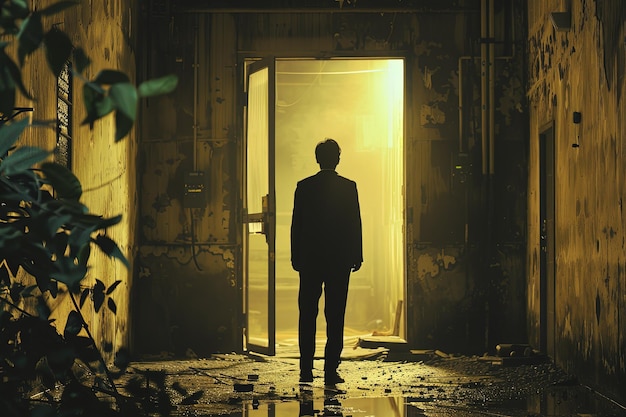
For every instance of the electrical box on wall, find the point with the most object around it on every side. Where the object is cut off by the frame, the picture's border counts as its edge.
(461, 169)
(195, 190)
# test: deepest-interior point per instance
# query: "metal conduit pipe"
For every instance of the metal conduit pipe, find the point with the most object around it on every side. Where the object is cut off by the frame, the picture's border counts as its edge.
(195, 95)
(464, 58)
(492, 86)
(195, 136)
(483, 84)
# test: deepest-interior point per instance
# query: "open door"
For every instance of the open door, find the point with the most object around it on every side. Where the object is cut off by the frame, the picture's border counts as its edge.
(292, 104)
(547, 244)
(260, 210)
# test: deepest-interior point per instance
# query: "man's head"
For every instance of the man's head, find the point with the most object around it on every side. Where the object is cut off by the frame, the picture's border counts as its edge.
(327, 153)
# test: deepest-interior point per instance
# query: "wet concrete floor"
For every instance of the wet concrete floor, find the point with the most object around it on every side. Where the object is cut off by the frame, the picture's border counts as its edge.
(382, 386)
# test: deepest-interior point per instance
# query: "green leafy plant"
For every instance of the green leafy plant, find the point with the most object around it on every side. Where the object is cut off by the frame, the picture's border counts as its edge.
(47, 232)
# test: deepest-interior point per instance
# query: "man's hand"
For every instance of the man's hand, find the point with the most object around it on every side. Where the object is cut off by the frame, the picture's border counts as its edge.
(356, 266)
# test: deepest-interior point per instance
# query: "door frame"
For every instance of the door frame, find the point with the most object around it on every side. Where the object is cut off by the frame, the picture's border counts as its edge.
(267, 218)
(547, 242)
(247, 59)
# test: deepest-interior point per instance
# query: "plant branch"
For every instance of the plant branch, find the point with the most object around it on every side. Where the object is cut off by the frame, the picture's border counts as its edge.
(24, 312)
(117, 395)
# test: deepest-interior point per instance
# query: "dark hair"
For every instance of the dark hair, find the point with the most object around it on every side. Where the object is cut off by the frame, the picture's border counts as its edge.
(327, 153)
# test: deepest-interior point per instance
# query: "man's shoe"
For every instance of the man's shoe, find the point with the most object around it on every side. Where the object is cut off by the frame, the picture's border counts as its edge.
(306, 376)
(332, 378)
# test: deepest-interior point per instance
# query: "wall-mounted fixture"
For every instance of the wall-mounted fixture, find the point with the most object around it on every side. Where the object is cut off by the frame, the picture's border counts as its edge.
(562, 21)
(577, 118)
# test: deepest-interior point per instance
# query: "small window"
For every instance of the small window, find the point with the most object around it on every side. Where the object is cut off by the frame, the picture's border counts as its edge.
(63, 150)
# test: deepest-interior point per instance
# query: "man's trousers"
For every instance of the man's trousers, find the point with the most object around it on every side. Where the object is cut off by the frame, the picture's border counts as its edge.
(335, 285)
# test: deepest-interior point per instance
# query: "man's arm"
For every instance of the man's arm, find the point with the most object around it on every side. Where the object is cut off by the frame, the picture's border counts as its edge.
(296, 225)
(358, 233)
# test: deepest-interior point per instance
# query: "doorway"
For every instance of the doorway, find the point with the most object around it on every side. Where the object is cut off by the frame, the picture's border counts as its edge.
(359, 103)
(547, 295)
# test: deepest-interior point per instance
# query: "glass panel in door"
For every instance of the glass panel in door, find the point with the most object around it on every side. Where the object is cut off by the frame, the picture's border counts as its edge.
(259, 222)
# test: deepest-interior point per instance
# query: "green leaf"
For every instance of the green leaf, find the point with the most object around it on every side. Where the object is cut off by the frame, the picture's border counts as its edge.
(10, 78)
(74, 324)
(96, 103)
(19, 8)
(113, 287)
(158, 86)
(22, 159)
(62, 180)
(108, 77)
(14, 10)
(14, 74)
(69, 273)
(7, 94)
(59, 242)
(83, 297)
(30, 36)
(80, 237)
(10, 133)
(112, 221)
(123, 126)
(124, 96)
(10, 237)
(98, 295)
(81, 60)
(109, 247)
(111, 305)
(7, 85)
(58, 7)
(104, 106)
(54, 223)
(83, 254)
(58, 50)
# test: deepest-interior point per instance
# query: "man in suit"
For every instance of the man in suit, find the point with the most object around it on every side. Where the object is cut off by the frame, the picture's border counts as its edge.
(326, 245)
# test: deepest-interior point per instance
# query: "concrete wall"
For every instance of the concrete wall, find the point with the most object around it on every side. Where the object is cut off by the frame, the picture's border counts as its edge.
(106, 30)
(581, 70)
(465, 290)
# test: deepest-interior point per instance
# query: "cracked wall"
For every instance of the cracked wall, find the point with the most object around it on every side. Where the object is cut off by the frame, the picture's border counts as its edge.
(581, 70)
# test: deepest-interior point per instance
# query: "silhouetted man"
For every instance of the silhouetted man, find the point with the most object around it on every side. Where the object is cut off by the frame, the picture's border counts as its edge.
(326, 245)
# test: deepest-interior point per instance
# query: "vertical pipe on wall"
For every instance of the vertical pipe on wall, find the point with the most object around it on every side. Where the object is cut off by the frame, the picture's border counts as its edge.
(195, 95)
(461, 59)
(483, 84)
(491, 68)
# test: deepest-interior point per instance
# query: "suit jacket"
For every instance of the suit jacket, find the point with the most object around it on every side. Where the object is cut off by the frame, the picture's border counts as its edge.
(326, 223)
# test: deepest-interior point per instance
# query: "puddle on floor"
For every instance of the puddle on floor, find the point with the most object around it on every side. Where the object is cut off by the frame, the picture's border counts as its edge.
(573, 401)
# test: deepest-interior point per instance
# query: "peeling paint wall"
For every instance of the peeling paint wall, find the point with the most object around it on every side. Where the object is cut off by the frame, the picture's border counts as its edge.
(188, 289)
(107, 170)
(465, 272)
(581, 70)
(477, 219)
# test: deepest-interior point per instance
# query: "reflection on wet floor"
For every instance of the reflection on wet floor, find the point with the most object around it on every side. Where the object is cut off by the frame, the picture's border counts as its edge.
(562, 402)
(332, 406)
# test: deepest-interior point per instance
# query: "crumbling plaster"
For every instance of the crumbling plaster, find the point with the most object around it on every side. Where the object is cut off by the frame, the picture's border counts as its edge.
(576, 71)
